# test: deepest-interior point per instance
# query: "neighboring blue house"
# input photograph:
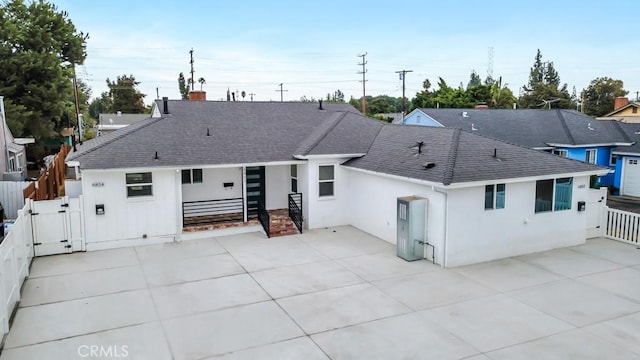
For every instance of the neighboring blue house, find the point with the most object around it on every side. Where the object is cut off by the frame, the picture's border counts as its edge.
(566, 133)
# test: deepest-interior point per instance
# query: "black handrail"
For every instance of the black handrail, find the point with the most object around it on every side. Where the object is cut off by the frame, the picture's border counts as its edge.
(295, 210)
(265, 221)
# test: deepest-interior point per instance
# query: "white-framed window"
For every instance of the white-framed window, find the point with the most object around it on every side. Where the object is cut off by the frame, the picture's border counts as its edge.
(561, 152)
(294, 178)
(494, 196)
(20, 161)
(326, 179)
(192, 176)
(139, 184)
(553, 194)
(590, 156)
(12, 163)
(613, 159)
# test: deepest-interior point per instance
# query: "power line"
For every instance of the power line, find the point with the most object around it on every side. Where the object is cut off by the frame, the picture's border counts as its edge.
(364, 80)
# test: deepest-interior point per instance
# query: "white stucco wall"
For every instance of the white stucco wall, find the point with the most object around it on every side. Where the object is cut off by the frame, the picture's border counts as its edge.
(477, 235)
(303, 188)
(327, 211)
(373, 208)
(212, 186)
(126, 220)
(277, 186)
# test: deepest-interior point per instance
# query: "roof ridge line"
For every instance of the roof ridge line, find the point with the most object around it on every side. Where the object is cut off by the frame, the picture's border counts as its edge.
(565, 127)
(114, 138)
(621, 130)
(378, 134)
(334, 120)
(451, 158)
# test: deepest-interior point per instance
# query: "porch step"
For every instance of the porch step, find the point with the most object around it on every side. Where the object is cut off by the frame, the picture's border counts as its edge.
(281, 225)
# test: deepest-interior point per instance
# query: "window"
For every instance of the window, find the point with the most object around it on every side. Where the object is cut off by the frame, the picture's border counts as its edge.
(590, 156)
(613, 160)
(192, 176)
(294, 178)
(562, 153)
(494, 196)
(139, 184)
(634, 110)
(553, 194)
(633, 162)
(326, 179)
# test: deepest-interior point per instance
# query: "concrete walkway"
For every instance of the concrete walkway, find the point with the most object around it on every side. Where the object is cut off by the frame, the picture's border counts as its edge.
(332, 293)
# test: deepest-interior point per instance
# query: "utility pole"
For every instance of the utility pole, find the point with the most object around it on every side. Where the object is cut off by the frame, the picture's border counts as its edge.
(403, 75)
(157, 93)
(364, 80)
(252, 94)
(75, 93)
(281, 93)
(192, 80)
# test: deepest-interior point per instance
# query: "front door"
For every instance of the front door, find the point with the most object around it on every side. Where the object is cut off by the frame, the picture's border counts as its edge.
(255, 190)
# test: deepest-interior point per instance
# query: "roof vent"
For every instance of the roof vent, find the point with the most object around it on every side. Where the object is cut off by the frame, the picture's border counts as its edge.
(155, 157)
(208, 134)
(320, 103)
(473, 128)
(428, 165)
(418, 147)
(465, 114)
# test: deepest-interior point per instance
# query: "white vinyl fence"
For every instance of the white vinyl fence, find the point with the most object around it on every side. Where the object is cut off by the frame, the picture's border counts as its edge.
(622, 226)
(16, 253)
(12, 197)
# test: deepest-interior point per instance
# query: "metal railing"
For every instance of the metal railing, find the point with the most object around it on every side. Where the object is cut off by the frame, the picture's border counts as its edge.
(212, 211)
(295, 210)
(265, 220)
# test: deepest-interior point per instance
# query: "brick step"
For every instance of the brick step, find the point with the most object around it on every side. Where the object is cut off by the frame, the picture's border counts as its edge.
(281, 225)
(284, 232)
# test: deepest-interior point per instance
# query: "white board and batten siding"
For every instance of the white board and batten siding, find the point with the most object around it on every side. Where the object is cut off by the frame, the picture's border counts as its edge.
(130, 221)
(12, 197)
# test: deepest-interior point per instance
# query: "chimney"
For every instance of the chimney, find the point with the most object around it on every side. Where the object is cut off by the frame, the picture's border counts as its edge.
(320, 107)
(197, 95)
(619, 102)
(165, 105)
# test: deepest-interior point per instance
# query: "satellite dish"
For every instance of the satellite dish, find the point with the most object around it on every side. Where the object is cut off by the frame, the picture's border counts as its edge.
(110, 121)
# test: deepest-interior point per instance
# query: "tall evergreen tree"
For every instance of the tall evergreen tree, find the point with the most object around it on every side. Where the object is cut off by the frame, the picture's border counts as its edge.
(543, 88)
(38, 47)
(182, 86)
(124, 95)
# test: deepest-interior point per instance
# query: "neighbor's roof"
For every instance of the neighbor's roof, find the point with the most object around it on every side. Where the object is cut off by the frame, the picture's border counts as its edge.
(239, 132)
(121, 119)
(635, 104)
(633, 132)
(533, 128)
(458, 157)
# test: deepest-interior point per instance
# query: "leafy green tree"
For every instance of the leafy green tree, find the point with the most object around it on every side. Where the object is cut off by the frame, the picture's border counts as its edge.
(474, 79)
(600, 94)
(182, 86)
(100, 105)
(379, 105)
(124, 95)
(202, 81)
(543, 88)
(39, 45)
(355, 103)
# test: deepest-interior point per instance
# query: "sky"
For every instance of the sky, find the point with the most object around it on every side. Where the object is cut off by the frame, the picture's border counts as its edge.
(313, 47)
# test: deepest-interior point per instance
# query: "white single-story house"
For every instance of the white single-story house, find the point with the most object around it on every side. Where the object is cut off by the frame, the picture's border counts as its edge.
(198, 162)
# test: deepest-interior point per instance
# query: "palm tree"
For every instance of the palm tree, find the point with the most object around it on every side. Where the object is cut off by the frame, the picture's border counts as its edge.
(202, 81)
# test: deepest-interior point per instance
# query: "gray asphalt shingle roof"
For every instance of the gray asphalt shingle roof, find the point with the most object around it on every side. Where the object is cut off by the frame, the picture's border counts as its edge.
(533, 128)
(253, 132)
(458, 157)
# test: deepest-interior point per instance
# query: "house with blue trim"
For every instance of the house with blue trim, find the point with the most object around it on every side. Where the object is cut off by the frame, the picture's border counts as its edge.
(567, 133)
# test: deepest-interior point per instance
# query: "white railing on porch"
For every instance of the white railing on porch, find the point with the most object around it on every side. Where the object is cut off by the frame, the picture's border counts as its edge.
(16, 253)
(622, 225)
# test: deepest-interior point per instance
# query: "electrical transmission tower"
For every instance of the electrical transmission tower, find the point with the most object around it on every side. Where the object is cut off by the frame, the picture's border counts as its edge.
(403, 75)
(364, 80)
(490, 63)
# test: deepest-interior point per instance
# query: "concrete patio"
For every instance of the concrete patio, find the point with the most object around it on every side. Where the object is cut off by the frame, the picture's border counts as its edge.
(333, 293)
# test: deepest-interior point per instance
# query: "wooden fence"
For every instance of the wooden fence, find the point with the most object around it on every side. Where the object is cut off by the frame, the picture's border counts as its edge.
(50, 184)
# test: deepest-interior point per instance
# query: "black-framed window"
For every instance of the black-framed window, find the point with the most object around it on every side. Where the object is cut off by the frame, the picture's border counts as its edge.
(139, 184)
(494, 196)
(294, 178)
(326, 179)
(192, 176)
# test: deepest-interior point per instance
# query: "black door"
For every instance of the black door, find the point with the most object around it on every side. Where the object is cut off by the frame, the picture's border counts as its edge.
(255, 190)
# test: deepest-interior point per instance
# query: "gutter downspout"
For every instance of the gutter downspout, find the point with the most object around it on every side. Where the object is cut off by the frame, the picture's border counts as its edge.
(446, 224)
(4, 134)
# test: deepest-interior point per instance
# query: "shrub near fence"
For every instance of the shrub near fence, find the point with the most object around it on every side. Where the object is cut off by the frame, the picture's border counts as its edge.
(50, 184)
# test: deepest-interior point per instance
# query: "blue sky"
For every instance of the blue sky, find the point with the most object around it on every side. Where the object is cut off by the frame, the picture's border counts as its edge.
(312, 47)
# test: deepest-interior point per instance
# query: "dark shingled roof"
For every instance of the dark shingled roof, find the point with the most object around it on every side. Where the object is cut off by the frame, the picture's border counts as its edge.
(632, 130)
(253, 132)
(239, 132)
(458, 157)
(533, 128)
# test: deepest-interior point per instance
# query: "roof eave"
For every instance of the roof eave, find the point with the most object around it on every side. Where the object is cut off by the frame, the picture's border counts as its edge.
(328, 156)
(590, 145)
(599, 172)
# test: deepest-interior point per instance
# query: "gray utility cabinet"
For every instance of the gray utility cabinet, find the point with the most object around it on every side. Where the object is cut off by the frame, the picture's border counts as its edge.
(411, 238)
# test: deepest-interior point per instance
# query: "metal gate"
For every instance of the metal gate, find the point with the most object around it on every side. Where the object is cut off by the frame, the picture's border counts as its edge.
(57, 226)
